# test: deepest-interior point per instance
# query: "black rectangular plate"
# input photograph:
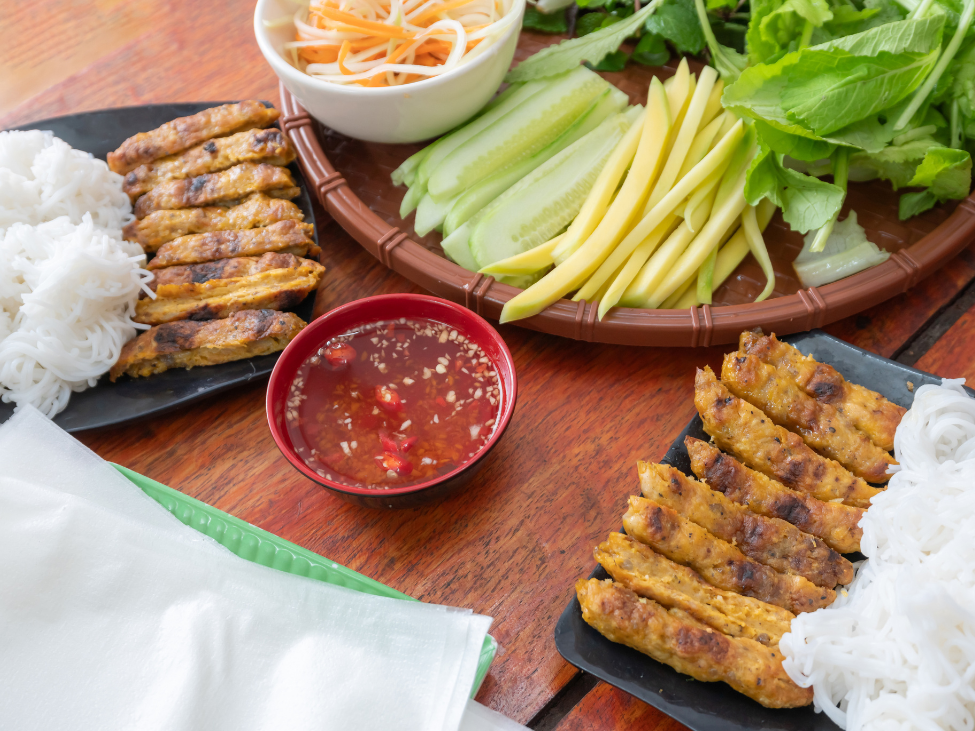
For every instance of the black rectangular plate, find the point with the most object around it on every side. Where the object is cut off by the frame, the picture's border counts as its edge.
(131, 399)
(713, 706)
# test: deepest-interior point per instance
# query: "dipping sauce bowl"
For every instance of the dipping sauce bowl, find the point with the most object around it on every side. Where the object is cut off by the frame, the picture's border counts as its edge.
(440, 315)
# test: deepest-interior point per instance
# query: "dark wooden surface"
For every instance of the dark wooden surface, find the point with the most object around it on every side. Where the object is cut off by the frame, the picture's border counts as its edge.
(515, 543)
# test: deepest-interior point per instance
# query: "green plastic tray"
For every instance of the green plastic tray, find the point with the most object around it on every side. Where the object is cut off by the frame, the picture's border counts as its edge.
(259, 546)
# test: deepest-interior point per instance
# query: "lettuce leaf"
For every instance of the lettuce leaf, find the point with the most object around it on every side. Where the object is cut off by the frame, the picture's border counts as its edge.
(826, 91)
(778, 29)
(807, 203)
(835, 92)
(946, 172)
(896, 163)
(795, 146)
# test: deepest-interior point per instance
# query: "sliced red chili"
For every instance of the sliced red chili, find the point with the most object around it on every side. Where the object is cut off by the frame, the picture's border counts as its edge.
(388, 399)
(407, 444)
(397, 463)
(339, 355)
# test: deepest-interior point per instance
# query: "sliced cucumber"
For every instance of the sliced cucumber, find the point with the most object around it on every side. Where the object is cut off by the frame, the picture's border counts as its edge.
(544, 202)
(450, 142)
(610, 102)
(406, 173)
(430, 214)
(518, 135)
(457, 249)
(499, 99)
(410, 200)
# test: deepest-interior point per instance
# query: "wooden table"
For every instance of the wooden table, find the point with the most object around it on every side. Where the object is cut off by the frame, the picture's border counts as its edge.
(513, 546)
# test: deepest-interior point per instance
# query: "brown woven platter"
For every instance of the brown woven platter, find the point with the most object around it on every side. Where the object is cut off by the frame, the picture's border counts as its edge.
(352, 180)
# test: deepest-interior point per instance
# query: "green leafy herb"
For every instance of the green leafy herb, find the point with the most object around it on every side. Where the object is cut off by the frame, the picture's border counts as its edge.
(592, 48)
(651, 51)
(589, 23)
(807, 203)
(615, 61)
(729, 34)
(826, 91)
(545, 22)
(947, 173)
(828, 88)
(784, 27)
(728, 62)
(911, 204)
(796, 147)
(677, 22)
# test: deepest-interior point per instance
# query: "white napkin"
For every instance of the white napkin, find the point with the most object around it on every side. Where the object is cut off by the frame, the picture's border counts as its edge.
(114, 615)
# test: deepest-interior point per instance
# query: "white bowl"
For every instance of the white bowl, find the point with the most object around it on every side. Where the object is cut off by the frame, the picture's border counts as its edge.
(407, 113)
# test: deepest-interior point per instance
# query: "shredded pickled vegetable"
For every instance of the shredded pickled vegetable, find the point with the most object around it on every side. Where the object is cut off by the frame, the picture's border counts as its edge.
(394, 42)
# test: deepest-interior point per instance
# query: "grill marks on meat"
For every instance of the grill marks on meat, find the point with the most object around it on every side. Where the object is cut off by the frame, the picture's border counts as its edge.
(289, 237)
(717, 561)
(836, 524)
(674, 586)
(185, 132)
(674, 637)
(712, 572)
(769, 541)
(867, 410)
(227, 185)
(276, 281)
(212, 195)
(254, 145)
(187, 344)
(243, 266)
(746, 432)
(820, 425)
(254, 211)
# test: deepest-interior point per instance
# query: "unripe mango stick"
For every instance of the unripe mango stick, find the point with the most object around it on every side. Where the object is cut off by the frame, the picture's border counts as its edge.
(673, 302)
(703, 193)
(753, 234)
(639, 257)
(713, 107)
(702, 144)
(653, 271)
(680, 88)
(612, 260)
(687, 131)
(721, 220)
(527, 262)
(705, 277)
(602, 191)
(731, 254)
(643, 172)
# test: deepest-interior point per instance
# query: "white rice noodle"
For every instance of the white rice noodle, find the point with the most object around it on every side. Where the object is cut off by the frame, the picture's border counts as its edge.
(42, 178)
(896, 651)
(68, 282)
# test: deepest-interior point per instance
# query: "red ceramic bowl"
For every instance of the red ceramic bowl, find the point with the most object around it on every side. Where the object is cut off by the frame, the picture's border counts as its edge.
(373, 309)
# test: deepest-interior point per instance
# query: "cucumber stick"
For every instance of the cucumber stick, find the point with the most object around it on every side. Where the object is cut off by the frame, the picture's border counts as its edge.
(430, 213)
(406, 173)
(457, 249)
(518, 135)
(443, 147)
(610, 102)
(543, 203)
